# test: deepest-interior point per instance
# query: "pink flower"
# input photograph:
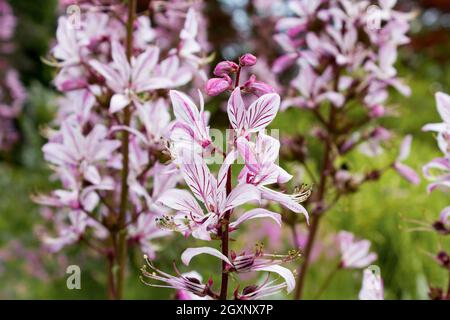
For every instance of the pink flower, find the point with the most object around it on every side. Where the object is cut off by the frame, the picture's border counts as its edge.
(255, 117)
(186, 283)
(191, 125)
(443, 128)
(211, 192)
(126, 79)
(255, 292)
(260, 170)
(144, 231)
(216, 86)
(247, 60)
(354, 253)
(372, 286)
(246, 263)
(257, 88)
(71, 233)
(438, 170)
(225, 68)
(72, 148)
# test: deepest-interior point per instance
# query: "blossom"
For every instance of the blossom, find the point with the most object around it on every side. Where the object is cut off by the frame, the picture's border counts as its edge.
(255, 117)
(107, 95)
(144, 231)
(211, 192)
(12, 92)
(372, 286)
(246, 263)
(260, 170)
(247, 60)
(191, 125)
(438, 170)
(72, 147)
(127, 79)
(71, 233)
(188, 283)
(225, 67)
(354, 253)
(443, 129)
(216, 86)
(255, 292)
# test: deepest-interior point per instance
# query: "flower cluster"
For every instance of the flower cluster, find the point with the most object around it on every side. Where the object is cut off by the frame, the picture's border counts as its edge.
(342, 56)
(438, 172)
(12, 92)
(339, 62)
(107, 145)
(209, 210)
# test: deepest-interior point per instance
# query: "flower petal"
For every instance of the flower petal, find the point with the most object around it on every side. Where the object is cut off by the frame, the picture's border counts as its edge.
(257, 213)
(285, 273)
(189, 253)
(261, 112)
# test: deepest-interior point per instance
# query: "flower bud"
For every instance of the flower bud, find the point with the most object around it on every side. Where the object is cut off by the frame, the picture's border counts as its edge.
(247, 60)
(216, 86)
(225, 67)
(377, 111)
(258, 88)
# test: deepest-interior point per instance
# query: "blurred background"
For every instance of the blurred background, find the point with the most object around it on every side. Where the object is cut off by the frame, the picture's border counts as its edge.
(380, 212)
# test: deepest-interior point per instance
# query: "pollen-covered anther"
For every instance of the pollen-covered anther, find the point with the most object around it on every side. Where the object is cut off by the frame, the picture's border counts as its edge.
(302, 193)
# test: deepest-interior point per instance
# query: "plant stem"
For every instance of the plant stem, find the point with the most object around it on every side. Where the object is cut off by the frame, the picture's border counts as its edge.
(317, 214)
(225, 228)
(225, 240)
(109, 267)
(122, 243)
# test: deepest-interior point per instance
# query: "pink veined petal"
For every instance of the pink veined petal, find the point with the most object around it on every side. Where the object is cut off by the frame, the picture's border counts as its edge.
(112, 78)
(190, 28)
(153, 83)
(184, 109)
(261, 112)
(443, 106)
(190, 253)
(180, 200)
(118, 102)
(407, 172)
(248, 154)
(285, 273)
(144, 65)
(236, 109)
(285, 200)
(243, 193)
(198, 177)
(268, 148)
(255, 214)
(405, 148)
(73, 138)
(57, 153)
(120, 61)
(92, 175)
